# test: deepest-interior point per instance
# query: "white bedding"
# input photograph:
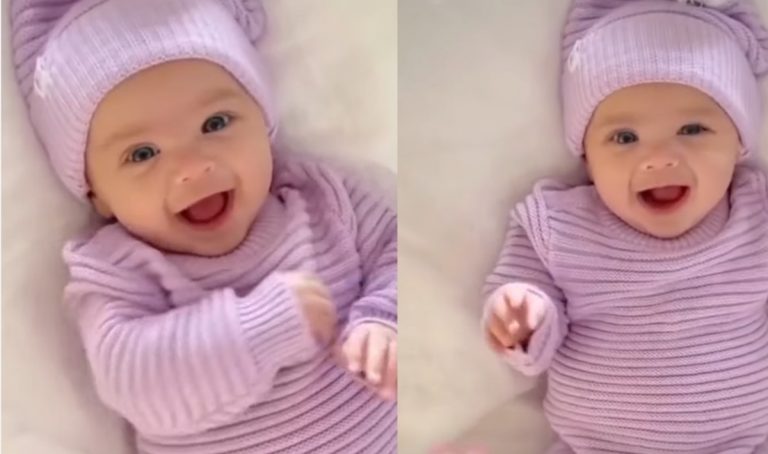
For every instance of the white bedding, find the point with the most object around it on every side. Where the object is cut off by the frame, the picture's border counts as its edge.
(334, 65)
(478, 123)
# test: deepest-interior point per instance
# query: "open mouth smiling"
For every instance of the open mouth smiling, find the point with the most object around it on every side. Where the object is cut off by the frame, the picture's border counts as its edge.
(664, 198)
(208, 212)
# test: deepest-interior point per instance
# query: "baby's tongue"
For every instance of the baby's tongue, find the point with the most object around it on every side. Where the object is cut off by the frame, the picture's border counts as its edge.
(206, 209)
(667, 193)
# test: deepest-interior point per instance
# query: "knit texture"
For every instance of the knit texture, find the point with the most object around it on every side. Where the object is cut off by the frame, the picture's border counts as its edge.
(211, 355)
(613, 44)
(69, 54)
(651, 345)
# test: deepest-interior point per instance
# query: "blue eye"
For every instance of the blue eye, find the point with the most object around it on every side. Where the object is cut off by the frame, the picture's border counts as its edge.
(142, 154)
(216, 123)
(693, 129)
(624, 137)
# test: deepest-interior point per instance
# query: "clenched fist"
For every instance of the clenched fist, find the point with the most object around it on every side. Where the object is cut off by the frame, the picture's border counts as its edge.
(370, 352)
(316, 305)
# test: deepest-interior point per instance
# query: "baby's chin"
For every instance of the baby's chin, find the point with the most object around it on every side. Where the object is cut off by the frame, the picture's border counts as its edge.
(669, 228)
(180, 244)
(221, 247)
(669, 232)
(182, 241)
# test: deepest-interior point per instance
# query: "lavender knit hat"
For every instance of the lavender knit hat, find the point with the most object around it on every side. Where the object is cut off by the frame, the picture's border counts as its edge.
(718, 47)
(69, 54)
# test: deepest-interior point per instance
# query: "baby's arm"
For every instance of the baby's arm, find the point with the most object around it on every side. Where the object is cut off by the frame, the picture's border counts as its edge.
(374, 224)
(370, 337)
(523, 298)
(176, 371)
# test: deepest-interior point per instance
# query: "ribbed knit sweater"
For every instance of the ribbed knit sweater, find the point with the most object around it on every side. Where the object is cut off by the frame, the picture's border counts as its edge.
(651, 345)
(212, 355)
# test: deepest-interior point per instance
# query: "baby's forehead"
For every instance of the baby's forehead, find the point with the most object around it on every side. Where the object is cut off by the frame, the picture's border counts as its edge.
(160, 99)
(185, 83)
(180, 77)
(656, 100)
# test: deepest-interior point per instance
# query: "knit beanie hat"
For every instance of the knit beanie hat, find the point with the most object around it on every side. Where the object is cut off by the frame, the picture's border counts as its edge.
(68, 54)
(717, 47)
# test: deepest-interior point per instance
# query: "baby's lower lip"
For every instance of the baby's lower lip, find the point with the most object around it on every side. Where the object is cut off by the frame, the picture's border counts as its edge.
(664, 199)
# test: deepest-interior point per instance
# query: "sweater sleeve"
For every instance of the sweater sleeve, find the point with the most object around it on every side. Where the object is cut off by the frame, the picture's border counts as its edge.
(374, 225)
(521, 262)
(181, 370)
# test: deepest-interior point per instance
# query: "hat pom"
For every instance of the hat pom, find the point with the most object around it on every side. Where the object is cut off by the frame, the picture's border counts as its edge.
(250, 15)
(739, 18)
(31, 25)
(750, 30)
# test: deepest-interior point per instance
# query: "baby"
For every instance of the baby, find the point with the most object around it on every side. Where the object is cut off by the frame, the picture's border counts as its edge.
(211, 303)
(644, 294)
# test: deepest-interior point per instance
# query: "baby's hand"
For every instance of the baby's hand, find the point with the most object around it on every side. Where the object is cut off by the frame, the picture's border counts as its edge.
(370, 352)
(515, 311)
(316, 305)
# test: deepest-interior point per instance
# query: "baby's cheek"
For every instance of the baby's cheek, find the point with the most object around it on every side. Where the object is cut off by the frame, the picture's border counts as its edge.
(612, 188)
(143, 217)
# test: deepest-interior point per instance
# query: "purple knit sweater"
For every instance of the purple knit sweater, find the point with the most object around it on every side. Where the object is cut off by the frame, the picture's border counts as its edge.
(651, 345)
(211, 355)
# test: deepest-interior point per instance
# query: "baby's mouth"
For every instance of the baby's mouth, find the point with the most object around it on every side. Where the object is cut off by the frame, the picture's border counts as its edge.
(664, 198)
(209, 210)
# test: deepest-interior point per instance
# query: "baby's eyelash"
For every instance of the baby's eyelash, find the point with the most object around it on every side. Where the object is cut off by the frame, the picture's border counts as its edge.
(614, 136)
(130, 155)
(699, 128)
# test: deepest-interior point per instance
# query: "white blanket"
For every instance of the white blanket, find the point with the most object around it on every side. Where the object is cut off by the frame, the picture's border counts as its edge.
(334, 68)
(478, 124)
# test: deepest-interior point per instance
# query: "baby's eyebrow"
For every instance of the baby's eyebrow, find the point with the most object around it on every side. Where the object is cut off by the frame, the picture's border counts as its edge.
(702, 111)
(626, 118)
(121, 136)
(206, 99)
(218, 95)
(620, 119)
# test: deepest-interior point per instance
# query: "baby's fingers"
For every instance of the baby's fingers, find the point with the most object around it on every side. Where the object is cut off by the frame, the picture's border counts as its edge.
(313, 286)
(535, 309)
(500, 334)
(323, 322)
(353, 350)
(514, 300)
(389, 386)
(376, 357)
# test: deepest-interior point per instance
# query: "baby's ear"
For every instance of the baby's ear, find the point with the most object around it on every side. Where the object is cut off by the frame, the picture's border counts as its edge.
(100, 206)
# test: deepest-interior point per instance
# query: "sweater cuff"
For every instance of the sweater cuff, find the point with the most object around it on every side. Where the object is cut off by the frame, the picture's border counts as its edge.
(366, 310)
(275, 329)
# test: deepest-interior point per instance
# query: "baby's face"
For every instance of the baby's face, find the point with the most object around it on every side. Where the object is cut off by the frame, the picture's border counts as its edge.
(179, 154)
(661, 156)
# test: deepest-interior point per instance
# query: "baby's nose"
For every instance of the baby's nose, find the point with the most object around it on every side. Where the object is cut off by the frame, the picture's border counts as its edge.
(191, 171)
(659, 162)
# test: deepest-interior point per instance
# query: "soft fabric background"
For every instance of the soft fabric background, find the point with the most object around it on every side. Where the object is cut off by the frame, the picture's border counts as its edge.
(478, 124)
(334, 65)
